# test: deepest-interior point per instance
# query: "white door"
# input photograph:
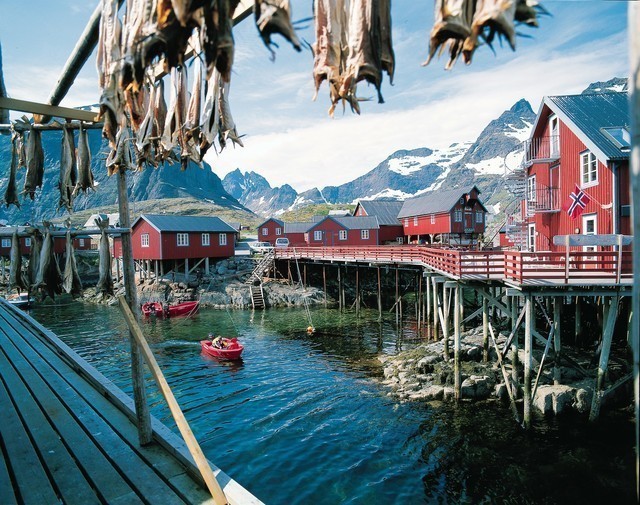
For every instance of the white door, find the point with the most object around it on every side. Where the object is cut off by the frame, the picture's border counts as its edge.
(531, 237)
(589, 227)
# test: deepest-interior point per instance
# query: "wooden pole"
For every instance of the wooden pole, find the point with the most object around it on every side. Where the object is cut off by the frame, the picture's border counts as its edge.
(340, 289)
(357, 291)
(456, 344)
(435, 308)
(379, 296)
(528, 338)
(634, 113)
(428, 288)
(131, 295)
(185, 430)
(485, 330)
(324, 283)
(515, 365)
(397, 297)
(445, 321)
(557, 309)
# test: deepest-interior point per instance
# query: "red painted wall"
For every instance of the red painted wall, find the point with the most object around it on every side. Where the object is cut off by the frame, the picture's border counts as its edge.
(6, 251)
(271, 227)
(296, 239)
(390, 233)
(195, 249)
(154, 251)
(331, 233)
(444, 222)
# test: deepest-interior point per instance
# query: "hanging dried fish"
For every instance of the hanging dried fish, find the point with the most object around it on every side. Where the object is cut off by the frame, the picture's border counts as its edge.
(105, 281)
(120, 158)
(34, 256)
(491, 17)
(68, 169)
(21, 149)
(365, 48)
(527, 12)
(227, 128)
(192, 121)
(11, 193)
(210, 118)
(35, 163)
(16, 279)
(143, 139)
(330, 50)
(173, 134)
(4, 113)
(48, 279)
(71, 282)
(159, 119)
(274, 16)
(85, 176)
(216, 37)
(452, 22)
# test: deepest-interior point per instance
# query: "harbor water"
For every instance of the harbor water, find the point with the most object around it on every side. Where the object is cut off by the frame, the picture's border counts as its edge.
(305, 419)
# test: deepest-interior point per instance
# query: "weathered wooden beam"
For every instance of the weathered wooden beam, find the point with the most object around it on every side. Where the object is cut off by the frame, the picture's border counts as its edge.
(505, 376)
(75, 125)
(456, 344)
(528, 341)
(48, 110)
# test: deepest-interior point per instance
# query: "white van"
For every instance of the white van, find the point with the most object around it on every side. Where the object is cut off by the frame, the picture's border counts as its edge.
(282, 242)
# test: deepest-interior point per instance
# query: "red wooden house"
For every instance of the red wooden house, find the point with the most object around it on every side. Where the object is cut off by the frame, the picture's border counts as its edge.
(343, 231)
(270, 230)
(579, 144)
(296, 233)
(170, 240)
(80, 242)
(456, 216)
(386, 211)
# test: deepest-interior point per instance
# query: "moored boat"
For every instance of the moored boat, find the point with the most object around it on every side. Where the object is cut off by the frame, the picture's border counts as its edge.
(159, 309)
(21, 300)
(230, 348)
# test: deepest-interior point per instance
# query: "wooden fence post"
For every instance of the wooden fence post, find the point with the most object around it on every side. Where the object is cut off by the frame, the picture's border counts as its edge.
(528, 338)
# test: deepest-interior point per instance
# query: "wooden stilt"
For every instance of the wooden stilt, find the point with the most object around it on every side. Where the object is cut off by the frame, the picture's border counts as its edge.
(304, 275)
(379, 296)
(462, 326)
(324, 283)
(397, 297)
(485, 329)
(357, 301)
(557, 306)
(340, 289)
(118, 260)
(131, 295)
(515, 362)
(445, 321)
(456, 343)
(578, 320)
(418, 302)
(528, 341)
(435, 308)
(607, 337)
(428, 308)
(206, 266)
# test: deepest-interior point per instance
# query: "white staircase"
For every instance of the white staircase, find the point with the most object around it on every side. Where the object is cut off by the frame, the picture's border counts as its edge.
(262, 266)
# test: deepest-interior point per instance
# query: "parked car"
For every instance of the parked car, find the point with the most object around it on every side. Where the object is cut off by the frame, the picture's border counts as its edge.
(282, 242)
(260, 247)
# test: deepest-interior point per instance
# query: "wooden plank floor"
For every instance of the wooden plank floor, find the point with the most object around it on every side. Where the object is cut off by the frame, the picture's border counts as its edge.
(64, 441)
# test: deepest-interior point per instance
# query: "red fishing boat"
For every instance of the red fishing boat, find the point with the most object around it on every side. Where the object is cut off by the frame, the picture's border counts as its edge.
(226, 348)
(159, 309)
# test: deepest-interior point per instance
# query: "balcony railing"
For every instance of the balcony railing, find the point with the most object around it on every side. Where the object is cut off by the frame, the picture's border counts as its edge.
(543, 199)
(541, 150)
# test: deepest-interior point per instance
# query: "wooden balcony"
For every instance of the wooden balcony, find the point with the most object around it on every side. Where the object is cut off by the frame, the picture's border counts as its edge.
(544, 199)
(541, 150)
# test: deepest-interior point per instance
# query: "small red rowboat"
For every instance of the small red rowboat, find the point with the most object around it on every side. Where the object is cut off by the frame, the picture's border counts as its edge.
(232, 349)
(180, 309)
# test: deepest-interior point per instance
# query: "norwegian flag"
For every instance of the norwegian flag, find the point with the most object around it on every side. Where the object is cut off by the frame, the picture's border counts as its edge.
(578, 201)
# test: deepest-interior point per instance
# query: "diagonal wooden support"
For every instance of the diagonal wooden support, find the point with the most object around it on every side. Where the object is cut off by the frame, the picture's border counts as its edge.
(544, 355)
(507, 344)
(494, 302)
(505, 376)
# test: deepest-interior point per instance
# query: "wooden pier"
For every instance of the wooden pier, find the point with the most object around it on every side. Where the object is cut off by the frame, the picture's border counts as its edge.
(68, 434)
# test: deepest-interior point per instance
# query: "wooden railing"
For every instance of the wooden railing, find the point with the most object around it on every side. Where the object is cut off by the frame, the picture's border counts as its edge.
(518, 267)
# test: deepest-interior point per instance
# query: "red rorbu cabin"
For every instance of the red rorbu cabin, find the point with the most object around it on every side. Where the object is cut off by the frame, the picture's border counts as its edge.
(296, 233)
(386, 211)
(343, 231)
(172, 239)
(452, 217)
(579, 145)
(270, 230)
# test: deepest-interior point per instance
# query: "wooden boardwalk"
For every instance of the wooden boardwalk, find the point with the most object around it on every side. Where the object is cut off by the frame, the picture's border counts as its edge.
(67, 435)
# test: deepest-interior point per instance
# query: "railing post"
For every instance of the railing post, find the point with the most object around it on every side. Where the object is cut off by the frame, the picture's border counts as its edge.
(566, 259)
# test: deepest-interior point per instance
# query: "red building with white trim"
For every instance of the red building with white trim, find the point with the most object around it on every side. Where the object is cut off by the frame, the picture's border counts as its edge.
(577, 141)
(270, 230)
(386, 211)
(456, 216)
(343, 231)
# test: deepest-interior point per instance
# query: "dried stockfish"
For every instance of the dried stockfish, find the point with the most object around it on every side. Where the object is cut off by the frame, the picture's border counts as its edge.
(173, 134)
(85, 176)
(227, 128)
(192, 121)
(210, 118)
(274, 16)
(35, 163)
(105, 280)
(48, 280)
(16, 279)
(120, 158)
(452, 23)
(34, 256)
(11, 193)
(68, 170)
(21, 149)
(71, 282)
(491, 17)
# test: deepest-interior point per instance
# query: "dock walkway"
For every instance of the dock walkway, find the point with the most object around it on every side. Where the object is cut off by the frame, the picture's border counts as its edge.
(67, 435)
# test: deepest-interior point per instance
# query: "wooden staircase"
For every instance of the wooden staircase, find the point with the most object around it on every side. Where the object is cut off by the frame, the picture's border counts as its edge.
(257, 297)
(264, 265)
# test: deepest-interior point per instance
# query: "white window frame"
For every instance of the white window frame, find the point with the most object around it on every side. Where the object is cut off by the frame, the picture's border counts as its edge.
(531, 188)
(222, 239)
(364, 234)
(554, 136)
(27, 242)
(6, 242)
(80, 242)
(415, 220)
(278, 231)
(205, 239)
(317, 235)
(342, 235)
(588, 169)
(433, 219)
(457, 216)
(531, 237)
(265, 231)
(585, 219)
(182, 239)
(144, 240)
(406, 222)
(479, 217)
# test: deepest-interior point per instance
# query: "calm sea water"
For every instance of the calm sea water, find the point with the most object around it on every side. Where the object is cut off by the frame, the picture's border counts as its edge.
(304, 419)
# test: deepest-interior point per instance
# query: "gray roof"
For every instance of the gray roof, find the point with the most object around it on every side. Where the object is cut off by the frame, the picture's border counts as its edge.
(385, 210)
(587, 115)
(297, 227)
(186, 224)
(357, 222)
(270, 219)
(431, 202)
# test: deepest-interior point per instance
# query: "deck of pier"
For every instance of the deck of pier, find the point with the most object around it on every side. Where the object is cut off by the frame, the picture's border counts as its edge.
(67, 434)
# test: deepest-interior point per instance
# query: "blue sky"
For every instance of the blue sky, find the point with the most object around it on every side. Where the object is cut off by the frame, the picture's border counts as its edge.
(290, 139)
